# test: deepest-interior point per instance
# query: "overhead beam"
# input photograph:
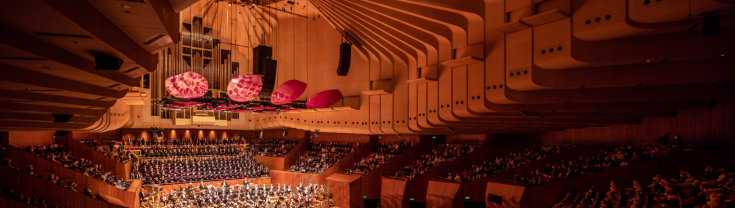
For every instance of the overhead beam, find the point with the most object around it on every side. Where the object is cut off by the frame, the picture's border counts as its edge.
(50, 109)
(86, 15)
(23, 41)
(55, 99)
(14, 74)
(36, 117)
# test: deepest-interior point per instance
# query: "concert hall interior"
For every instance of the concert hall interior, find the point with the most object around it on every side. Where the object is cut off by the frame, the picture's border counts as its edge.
(367, 103)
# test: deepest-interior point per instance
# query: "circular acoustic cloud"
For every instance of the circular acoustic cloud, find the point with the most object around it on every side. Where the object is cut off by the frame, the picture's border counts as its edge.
(324, 98)
(243, 88)
(288, 92)
(188, 85)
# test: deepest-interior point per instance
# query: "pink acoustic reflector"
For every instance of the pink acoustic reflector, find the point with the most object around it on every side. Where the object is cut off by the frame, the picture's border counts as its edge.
(243, 88)
(187, 85)
(288, 92)
(324, 98)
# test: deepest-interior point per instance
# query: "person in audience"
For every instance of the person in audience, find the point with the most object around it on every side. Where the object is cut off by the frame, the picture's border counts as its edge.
(321, 156)
(386, 151)
(8, 162)
(276, 147)
(438, 156)
(29, 170)
(187, 169)
(513, 160)
(247, 195)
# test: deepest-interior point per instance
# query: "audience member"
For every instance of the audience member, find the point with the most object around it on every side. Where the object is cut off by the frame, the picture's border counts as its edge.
(385, 152)
(513, 160)
(321, 156)
(438, 156)
(276, 147)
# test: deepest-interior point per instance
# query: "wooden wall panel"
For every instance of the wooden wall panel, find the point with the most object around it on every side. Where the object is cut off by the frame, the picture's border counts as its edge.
(391, 138)
(511, 195)
(702, 127)
(346, 190)
(287, 177)
(467, 138)
(441, 193)
(391, 193)
(184, 133)
(23, 139)
(273, 163)
(339, 137)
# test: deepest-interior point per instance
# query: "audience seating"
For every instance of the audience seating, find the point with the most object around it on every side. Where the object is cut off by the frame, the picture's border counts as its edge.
(321, 156)
(54, 153)
(22, 159)
(199, 168)
(374, 160)
(119, 154)
(53, 194)
(439, 156)
(500, 164)
(714, 188)
(276, 147)
(605, 159)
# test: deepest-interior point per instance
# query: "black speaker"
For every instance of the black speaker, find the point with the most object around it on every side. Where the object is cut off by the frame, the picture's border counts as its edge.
(711, 25)
(260, 54)
(58, 118)
(159, 133)
(270, 68)
(154, 134)
(268, 85)
(62, 133)
(107, 62)
(345, 55)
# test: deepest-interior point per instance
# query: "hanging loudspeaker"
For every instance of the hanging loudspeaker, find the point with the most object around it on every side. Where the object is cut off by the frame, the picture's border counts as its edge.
(58, 118)
(345, 55)
(107, 62)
